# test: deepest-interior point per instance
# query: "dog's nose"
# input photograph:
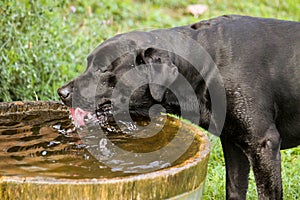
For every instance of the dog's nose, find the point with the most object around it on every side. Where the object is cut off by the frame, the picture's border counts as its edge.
(65, 93)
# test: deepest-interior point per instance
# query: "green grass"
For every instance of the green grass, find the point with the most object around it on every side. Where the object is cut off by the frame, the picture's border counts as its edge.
(43, 44)
(215, 183)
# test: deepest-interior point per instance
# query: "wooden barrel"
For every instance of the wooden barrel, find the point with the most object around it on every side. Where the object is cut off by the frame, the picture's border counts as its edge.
(184, 180)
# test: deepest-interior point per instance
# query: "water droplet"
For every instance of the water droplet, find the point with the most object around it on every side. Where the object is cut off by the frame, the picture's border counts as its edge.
(44, 153)
(57, 126)
(103, 143)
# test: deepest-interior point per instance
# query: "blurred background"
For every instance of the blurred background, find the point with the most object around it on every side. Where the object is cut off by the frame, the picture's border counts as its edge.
(44, 44)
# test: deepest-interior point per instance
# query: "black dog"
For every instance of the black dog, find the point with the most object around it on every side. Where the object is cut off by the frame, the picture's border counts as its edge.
(259, 63)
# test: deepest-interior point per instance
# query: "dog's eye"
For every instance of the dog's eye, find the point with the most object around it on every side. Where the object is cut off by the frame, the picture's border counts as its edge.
(139, 60)
(101, 70)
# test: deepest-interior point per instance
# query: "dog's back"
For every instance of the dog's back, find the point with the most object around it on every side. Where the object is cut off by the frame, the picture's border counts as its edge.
(263, 57)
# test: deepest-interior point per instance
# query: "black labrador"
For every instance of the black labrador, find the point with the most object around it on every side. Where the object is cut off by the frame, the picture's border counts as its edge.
(259, 63)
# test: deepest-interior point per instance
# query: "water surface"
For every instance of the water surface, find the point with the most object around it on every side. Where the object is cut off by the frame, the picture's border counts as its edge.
(39, 141)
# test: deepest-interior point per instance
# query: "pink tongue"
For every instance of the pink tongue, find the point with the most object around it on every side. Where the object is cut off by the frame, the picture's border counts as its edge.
(78, 116)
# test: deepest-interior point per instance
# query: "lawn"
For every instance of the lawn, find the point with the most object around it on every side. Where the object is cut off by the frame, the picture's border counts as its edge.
(43, 44)
(215, 183)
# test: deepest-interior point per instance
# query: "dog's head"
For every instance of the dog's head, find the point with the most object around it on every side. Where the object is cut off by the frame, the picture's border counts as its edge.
(129, 73)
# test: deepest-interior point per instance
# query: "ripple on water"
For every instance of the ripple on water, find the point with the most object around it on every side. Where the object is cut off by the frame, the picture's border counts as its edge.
(45, 143)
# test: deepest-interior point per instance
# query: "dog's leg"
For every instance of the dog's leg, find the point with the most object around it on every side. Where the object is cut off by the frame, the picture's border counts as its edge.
(265, 159)
(237, 170)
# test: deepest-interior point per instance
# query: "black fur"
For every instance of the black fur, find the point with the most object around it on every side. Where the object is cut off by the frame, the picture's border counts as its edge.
(259, 61)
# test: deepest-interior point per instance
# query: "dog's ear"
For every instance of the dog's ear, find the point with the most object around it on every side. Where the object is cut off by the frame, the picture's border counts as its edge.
(161, 72)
